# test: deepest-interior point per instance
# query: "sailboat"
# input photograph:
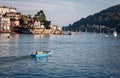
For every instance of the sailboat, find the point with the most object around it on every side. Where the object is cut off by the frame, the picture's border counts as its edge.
(115, 33)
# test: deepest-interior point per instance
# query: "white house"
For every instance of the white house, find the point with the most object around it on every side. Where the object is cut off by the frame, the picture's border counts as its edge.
(4, 24)
(42, 26)
(5, 9)
(11, 9)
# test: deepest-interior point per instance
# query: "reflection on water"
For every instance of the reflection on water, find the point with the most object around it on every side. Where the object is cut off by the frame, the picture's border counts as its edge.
(42, 59)
(74, 56)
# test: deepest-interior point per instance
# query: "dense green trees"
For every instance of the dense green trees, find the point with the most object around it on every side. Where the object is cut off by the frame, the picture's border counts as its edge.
(110, 18)
(40, 16)
(24, 20)
(27, 22)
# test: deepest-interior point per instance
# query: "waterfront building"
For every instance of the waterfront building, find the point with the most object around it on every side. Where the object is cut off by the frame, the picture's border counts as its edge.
(4, 24)
(51, 25)
(37, 24)
(42, 26)
(14, 21)
(11, 9)
(5, 9)
(13, 14)
(14, 18)
(9, 18)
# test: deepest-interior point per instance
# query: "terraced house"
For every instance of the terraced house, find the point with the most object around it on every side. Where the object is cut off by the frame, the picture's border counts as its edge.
(9, 17)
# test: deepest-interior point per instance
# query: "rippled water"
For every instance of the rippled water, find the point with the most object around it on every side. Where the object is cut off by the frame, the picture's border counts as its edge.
(74, 56)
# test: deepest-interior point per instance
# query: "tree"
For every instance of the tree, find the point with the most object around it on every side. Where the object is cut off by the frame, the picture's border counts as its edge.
(24, 20)
(30, 16)
(40, 16)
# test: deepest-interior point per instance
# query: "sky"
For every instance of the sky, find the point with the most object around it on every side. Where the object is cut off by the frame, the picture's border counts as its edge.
(61, 12)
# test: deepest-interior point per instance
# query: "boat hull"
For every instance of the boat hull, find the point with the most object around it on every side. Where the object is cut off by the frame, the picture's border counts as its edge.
(47, 53)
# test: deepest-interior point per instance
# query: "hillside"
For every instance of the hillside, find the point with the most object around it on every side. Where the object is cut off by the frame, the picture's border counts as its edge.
(109, 18)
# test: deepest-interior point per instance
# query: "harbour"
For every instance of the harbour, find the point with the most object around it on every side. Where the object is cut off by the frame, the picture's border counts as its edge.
(59, 39)
(78, 56)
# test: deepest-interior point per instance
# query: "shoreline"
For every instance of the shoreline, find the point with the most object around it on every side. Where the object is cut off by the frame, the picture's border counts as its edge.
(36, 31)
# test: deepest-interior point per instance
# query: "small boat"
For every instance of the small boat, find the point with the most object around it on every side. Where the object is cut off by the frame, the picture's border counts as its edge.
(115, 33)
(41, 54)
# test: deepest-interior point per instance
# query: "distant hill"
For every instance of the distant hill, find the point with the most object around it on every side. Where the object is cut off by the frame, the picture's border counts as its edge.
(108, 18)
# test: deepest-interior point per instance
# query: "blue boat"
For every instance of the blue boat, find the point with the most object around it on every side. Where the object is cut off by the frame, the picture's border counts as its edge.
(41, 54)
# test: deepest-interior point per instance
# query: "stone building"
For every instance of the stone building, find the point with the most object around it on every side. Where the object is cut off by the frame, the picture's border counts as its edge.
(13, 14)
(14, 22)
(5, 9)
(4, 24)
(14, 18)
(8, 18)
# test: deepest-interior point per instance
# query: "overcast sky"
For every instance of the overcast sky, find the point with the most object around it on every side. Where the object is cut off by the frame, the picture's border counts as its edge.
(61, 12)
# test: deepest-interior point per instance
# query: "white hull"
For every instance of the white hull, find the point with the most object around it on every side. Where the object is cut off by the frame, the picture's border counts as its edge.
(115, 34)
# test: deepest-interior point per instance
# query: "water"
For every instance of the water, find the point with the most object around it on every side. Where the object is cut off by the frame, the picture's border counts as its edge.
(74, 56)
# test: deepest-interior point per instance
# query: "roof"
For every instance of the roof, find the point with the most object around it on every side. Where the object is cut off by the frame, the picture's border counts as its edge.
(47, 22)
(7, 7)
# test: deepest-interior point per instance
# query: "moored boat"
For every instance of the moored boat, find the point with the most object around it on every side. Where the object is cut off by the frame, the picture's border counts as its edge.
(115, 33)
(41, 54)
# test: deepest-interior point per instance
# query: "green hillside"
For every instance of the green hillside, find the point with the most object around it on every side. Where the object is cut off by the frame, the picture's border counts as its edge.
(108, 20)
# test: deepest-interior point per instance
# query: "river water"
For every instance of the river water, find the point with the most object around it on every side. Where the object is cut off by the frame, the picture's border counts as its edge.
(85, 55)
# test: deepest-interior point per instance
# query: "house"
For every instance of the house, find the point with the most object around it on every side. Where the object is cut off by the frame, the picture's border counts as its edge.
(11, 9)
(37, 24)
(9, 18)
(47, 24)
(5, 9)
(13, 14)
(14, 22)
(14, 18)
(4, 24)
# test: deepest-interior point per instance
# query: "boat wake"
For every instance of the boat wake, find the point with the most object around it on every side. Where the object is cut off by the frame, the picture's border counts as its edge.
(13, 59)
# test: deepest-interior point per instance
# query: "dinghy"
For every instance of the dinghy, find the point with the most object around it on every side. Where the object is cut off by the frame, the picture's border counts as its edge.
(41, 54)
